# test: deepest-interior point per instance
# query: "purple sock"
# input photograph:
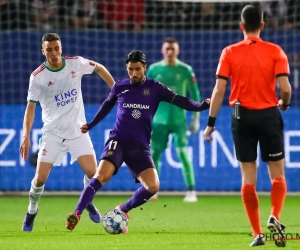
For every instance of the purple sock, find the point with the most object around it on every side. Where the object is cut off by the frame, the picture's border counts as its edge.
(88, 194)
(141, 196)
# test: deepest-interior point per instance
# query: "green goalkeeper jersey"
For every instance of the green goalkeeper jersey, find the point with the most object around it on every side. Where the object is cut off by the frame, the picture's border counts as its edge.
(181, 79)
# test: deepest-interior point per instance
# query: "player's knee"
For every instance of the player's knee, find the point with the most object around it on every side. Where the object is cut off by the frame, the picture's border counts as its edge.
(276, 169)
(153, 187)
(103, 178)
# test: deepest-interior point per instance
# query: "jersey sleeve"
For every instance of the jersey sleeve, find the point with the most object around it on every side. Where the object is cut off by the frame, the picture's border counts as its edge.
(281, 64)
(165, 94)
(105, 108)
(183, 102)
(223, 70)
(87, 66)
(112, 95)
(34, 90)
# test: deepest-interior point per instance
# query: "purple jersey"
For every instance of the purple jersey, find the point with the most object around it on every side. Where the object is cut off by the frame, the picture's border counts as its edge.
(137, 105)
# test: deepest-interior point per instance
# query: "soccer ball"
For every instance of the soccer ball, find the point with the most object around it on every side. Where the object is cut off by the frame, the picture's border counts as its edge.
(114, 221)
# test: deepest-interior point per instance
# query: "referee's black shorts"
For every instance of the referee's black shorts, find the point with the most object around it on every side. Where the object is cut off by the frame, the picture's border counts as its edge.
(264, 126)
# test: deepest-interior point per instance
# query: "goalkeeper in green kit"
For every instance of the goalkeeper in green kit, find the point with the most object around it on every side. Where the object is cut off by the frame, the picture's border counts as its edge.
(170, 119)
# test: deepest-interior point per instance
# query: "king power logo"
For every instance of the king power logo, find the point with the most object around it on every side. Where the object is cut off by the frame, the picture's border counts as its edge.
(65, 98)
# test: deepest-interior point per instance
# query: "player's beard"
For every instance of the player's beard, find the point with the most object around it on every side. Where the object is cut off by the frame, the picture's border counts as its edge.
(136, 81)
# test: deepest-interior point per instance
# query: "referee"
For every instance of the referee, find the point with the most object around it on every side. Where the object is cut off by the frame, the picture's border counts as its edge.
(254, 66)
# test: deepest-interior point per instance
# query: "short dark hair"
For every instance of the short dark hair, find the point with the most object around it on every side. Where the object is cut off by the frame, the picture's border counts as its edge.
(170, 40)
(252, 18)
(136, 56)
(50, 37)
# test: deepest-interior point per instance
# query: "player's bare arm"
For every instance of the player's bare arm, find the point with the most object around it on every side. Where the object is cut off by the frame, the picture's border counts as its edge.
(27, 124)
(103, 111)
(104, 74)
(217, 97)
(285, 92)
(216, 102)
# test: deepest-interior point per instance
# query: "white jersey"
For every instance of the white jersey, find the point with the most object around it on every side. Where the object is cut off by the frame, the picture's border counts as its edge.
(59, 93)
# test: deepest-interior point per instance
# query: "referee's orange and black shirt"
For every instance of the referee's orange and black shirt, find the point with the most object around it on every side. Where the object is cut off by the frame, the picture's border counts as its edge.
(253, 65)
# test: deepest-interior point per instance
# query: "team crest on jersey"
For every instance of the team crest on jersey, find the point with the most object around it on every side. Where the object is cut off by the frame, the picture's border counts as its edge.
(110, 152)
(73, 73)
(50, 84)
(146, 92)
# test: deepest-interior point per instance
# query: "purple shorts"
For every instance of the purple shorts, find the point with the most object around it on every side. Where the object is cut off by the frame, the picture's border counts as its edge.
(135, 155)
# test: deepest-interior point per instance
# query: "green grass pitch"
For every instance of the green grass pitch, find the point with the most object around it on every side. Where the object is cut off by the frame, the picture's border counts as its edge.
(214, 222)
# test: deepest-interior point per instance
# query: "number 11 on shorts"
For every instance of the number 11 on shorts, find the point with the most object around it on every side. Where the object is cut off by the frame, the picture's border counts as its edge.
(112, 145)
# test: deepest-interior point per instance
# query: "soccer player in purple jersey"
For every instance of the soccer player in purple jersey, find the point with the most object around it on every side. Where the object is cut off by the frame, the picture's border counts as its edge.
(129, 141)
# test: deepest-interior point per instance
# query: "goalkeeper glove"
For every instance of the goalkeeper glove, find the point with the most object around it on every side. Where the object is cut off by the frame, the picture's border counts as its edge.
(194, 125)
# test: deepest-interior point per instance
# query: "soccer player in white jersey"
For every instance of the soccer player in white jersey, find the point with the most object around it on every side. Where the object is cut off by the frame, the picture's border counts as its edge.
(56, 84)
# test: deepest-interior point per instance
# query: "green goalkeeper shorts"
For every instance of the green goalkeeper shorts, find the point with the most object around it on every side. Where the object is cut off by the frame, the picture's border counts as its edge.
(160, 136)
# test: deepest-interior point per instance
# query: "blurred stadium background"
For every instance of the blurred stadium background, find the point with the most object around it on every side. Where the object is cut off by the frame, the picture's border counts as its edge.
(105, 31)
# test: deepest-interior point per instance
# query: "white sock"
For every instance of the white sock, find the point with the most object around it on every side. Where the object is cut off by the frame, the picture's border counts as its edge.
(34, 196)
(86, 180)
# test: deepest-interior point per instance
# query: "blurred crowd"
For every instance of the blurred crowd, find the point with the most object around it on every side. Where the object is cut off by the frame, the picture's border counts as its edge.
(139, 14)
